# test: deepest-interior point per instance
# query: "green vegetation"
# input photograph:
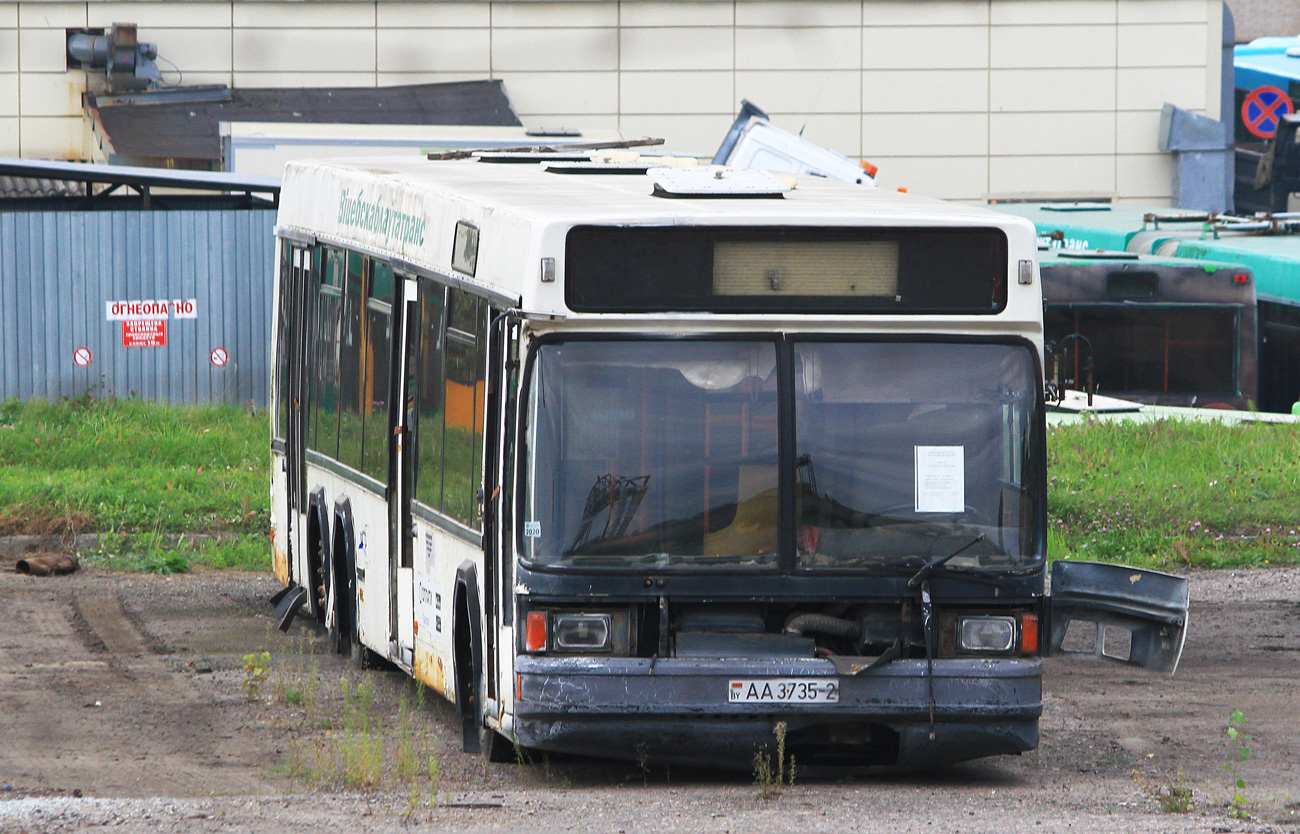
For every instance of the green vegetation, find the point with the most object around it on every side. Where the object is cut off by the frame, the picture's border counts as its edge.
(1174, 494)
(1173, 795)
(771, 777)
(137, 475)
(257, 668)
(343, 742)
(1236, 725)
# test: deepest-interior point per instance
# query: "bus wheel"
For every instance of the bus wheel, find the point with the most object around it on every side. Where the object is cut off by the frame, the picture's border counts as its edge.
(363, 657)
(319, 584)
(497, 748)
(344, 600)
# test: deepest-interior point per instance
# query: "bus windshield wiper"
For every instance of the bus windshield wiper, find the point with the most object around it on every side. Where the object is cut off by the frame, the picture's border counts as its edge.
(930, 567)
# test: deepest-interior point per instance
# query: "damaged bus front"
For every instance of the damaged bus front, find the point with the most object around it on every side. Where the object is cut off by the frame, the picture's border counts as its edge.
(841, 533)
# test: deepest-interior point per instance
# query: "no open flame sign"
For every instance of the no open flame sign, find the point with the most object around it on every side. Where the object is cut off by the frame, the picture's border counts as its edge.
(152, 310)
(144, 322)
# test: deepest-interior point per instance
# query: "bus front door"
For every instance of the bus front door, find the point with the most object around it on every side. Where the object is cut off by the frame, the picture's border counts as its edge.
(294, 299)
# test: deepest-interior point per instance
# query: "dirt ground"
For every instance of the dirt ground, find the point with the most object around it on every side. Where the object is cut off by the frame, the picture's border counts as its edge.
(121, 705)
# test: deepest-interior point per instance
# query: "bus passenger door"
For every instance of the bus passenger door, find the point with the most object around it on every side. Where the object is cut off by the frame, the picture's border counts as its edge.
(402, 432)
(1127, 615)
(294, 299)
(498, 576)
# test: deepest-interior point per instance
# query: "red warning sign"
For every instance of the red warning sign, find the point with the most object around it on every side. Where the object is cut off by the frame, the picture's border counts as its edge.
(144, 333)
(81, 357)
(219, 357)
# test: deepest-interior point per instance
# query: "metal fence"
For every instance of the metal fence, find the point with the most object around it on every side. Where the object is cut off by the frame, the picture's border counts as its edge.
(73, 318)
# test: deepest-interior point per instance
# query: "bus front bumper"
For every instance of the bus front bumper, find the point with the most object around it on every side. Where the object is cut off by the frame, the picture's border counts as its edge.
(678, 710)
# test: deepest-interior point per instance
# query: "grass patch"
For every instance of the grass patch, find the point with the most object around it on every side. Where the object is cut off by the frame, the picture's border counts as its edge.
(129, 466)
(1164, 495)
(138, 475)
(1173, 494)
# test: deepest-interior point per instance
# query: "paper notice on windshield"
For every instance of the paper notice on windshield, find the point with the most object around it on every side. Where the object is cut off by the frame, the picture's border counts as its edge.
(940, 479)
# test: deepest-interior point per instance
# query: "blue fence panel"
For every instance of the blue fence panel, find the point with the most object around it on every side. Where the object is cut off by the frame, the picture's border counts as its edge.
(60, 269)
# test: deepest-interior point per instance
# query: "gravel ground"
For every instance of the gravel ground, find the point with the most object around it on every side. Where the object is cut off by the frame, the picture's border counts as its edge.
(121, 707)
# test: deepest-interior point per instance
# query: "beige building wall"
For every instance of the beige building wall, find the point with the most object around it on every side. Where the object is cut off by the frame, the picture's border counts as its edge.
(966, 99)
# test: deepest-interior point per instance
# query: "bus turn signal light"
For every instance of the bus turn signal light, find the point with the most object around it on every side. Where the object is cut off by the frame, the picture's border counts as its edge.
(1029, 633)
(535, 636)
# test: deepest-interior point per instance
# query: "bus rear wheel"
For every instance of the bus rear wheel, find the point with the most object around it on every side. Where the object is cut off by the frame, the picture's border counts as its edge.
(343, 629)
(497, 748)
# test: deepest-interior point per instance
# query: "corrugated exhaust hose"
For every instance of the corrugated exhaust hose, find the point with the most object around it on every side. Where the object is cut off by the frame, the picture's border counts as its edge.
(800, 624)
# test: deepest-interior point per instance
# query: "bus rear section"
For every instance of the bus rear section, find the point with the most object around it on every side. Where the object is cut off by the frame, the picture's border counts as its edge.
(1158, 330)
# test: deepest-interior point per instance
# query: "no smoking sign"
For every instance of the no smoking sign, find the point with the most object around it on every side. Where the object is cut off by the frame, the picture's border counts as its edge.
(81, 357)
(219, 357)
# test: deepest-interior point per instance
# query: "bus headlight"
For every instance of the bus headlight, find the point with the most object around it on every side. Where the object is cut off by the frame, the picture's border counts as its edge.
(986, 634)
(583, 632)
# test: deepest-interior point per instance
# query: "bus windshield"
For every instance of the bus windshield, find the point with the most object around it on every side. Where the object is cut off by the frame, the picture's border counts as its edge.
(667, 454)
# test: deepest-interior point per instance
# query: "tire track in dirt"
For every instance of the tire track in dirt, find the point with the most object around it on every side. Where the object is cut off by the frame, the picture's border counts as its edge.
(94, 708)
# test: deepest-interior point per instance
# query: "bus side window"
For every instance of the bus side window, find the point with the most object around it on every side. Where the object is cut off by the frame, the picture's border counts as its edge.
(431, 395)
(351, 367)
(465, 390)
(377, 352)
(323, 358)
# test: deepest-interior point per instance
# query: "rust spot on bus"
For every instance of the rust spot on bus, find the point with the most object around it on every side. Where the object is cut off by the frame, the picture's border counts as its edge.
(429, 671)
(280, 562)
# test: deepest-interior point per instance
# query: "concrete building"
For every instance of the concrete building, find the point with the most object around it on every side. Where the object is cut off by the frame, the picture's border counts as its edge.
(965, 99)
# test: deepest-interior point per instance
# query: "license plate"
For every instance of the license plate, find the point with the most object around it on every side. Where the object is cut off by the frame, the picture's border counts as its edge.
(784, 691)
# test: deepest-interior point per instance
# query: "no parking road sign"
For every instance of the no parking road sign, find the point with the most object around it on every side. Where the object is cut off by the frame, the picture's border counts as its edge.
(1263, 108)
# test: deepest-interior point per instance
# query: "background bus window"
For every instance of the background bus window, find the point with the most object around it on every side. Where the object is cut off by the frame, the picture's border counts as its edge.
(378, 353)
(1153, 348)
(463, 405)
(351, 367)
(431, 388)
(323, 358)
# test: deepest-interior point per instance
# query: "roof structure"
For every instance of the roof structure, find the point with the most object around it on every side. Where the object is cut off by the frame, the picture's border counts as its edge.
(168, 126)
(40, 178)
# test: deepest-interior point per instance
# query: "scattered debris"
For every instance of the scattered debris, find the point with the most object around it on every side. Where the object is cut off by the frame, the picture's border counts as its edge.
(54, 563)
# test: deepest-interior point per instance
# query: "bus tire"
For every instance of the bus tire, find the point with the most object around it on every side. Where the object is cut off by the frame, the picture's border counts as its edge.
(341, 571)
(364, 657)
(318, 542)
(497, 748)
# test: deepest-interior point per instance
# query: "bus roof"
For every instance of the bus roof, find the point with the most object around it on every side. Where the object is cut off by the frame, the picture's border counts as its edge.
(1094, 225)
(409, 209)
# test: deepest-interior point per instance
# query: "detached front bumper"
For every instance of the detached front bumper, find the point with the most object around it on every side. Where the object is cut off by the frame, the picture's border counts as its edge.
(677, 710)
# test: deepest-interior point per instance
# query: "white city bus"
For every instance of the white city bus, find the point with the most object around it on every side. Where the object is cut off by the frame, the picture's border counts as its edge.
(641, 461)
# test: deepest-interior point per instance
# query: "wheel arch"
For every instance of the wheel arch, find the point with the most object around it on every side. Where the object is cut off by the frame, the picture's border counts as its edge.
(467, 638)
